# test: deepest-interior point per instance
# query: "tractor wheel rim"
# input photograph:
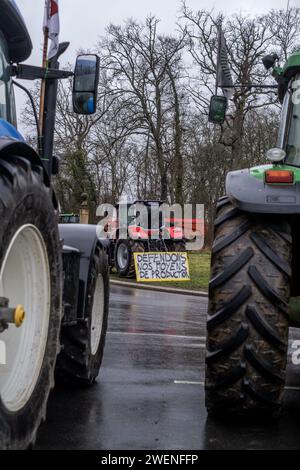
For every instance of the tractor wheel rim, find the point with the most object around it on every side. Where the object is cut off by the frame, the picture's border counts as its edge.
(25, 279)
(122, 256)
(97, 314)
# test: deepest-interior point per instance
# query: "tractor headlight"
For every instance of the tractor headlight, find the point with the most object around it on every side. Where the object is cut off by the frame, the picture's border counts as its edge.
(275, 155)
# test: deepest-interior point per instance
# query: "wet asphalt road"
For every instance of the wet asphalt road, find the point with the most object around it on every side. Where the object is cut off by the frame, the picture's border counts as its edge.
(150, 394)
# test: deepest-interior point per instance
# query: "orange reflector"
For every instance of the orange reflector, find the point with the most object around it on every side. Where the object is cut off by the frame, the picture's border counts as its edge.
(279, 176)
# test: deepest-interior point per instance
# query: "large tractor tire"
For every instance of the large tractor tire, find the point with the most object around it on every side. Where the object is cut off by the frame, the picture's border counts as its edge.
(124, 259)
(248, 318)
(82, 345)
(31, 276)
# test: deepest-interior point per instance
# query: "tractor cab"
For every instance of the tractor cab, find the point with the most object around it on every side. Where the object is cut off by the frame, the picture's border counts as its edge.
(5, 108)
(145, 218)
(148, 219)
(288, 78)
(15, 39)
(15, 46)
(141, 218)
(289, 130)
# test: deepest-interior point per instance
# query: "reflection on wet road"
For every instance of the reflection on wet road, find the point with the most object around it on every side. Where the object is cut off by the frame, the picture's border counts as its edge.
(150, 392)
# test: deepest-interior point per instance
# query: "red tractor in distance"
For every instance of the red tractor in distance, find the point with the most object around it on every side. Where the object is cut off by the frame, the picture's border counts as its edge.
(139, 227)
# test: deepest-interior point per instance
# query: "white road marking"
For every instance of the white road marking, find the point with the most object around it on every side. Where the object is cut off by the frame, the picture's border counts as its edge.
(160, 335)
(288, 387)
(191, 382)
(188, 382)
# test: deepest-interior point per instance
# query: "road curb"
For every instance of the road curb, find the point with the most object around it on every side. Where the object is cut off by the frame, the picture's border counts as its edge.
(167, 290)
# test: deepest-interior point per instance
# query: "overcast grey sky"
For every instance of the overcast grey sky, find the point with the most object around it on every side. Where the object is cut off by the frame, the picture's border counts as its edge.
(82, 21)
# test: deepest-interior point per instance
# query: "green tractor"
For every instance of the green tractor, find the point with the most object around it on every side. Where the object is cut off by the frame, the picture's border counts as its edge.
(255, 268)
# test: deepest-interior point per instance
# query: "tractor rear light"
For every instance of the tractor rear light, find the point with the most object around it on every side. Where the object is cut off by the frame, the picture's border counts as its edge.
(279, 176)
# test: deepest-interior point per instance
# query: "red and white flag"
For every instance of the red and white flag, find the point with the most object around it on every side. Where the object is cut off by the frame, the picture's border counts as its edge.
(51, 22)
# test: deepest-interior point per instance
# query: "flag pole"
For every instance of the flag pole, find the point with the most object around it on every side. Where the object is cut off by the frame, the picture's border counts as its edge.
(43, 88)
(218, 57)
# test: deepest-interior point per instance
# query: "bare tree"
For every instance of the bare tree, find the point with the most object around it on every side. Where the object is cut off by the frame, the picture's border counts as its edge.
(285, 27)
(247, 42)
(141, 63)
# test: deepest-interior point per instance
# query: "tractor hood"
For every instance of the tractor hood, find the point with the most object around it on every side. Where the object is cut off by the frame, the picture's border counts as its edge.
(13, 27)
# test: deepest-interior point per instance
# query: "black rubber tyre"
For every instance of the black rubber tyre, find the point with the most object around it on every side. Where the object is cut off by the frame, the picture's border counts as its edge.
(131, 246)
(24, 199)
(78, 363)
(247, 326)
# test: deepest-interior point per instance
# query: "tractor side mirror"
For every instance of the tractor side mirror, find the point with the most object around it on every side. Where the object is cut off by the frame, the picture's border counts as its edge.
(85, 87)
(217, 109)
(269, 60)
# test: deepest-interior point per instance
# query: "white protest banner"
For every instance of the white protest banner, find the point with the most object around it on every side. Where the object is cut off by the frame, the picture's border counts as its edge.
(161, 266)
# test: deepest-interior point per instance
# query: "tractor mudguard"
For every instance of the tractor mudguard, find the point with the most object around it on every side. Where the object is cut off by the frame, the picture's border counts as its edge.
(83, 238)
(251, 194)
(10, 146)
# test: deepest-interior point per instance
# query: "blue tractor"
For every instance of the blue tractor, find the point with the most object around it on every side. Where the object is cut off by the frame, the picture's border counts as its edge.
(54, 285)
